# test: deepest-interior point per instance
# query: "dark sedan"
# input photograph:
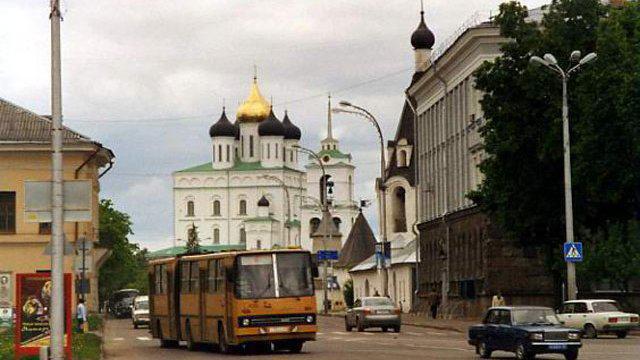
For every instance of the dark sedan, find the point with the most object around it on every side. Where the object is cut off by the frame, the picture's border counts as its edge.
(525, 330)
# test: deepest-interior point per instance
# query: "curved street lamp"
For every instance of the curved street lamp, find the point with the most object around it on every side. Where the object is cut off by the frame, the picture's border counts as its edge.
(550, 62)
(364, 113)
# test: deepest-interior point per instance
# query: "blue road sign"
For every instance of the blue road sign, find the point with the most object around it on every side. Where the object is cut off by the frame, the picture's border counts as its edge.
(573, 252)
(327, 255)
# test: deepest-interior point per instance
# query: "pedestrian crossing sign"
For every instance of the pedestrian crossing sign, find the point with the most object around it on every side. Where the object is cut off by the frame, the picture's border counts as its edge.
(573, 252)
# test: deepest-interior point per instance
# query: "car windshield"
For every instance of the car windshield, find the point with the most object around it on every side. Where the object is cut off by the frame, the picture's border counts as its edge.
(142, 305)
(534, 317)
(381, 301)
(605, 306)
(124, 294)
(256, 278)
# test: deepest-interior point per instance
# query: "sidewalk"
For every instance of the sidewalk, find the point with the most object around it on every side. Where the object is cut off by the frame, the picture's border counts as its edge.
(422, 320)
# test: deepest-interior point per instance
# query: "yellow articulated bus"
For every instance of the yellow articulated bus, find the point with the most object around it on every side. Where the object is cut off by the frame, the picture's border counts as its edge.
(234, 299)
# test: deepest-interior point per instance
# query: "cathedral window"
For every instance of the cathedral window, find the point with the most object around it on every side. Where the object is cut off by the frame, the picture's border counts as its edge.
(219, 152)
(291, 155)
(250, 145)
(243, 207)
(243, 236)
(268, 151)
(216, 208)
(216, 236)
(214, 153)
(228, 153)
(402, 158)
(191, 208)
(258, 244)
(337, 222)
(399, 210)
(276, 150)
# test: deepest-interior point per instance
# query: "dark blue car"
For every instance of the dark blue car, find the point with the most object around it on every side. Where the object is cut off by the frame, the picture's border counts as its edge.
(526, 331)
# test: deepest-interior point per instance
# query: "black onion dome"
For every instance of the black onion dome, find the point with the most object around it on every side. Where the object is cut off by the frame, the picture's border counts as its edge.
(271, 126)
(263, 201)
(291, 132)
(422, 37)
(223, 127)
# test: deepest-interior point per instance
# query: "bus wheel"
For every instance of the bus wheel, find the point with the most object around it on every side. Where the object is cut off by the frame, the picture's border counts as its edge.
(163, 342)
(191, 346)
(223, 346)
(296, 346)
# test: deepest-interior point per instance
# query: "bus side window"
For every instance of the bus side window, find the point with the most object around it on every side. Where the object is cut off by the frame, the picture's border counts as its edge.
(165, 278)
(194, 278)
(184, 278)
(158, 279)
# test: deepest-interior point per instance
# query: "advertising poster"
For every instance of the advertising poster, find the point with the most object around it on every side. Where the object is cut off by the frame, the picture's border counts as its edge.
(6, 305)
(33, 303)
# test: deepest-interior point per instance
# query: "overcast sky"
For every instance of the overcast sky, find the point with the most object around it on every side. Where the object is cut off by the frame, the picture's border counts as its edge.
(148, 78)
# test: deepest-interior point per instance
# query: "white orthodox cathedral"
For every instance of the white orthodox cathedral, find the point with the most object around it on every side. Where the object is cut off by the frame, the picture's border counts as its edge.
(254, 192)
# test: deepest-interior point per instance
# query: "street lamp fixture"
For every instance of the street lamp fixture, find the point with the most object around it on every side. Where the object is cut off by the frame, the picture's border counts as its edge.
(551, 63)
(364, 113)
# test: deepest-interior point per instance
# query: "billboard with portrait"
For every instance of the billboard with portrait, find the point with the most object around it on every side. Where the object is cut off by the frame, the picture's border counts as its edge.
(33, 303)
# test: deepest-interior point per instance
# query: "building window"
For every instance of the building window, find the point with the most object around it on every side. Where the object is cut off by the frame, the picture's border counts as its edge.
(313, 225)
(323, 187)
(191, 211)
(216, 207)
(243, 236)
(399, 211)
(402, 158)
(259, 244)
(7, 212)
(236, 152)
(291, 155)
(467, 289)
(242, 144)
(250, 145)
(228, 153)
(268, 151)
(337, 222)
(276, 151)
(243, 207)
(216, 236)
(44, 228)
(214, 153)
(219, 152)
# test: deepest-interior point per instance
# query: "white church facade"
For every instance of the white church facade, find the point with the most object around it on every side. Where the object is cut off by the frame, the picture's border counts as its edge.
(254, 192)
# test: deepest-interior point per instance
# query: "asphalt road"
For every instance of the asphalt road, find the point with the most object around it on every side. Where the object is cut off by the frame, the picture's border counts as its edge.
(123, 342)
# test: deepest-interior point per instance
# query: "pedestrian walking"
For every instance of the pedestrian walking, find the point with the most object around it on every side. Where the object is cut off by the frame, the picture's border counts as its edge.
(81, 315)
(498, 300)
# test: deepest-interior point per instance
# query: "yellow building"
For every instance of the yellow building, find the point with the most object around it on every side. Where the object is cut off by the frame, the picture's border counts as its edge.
(25, 154)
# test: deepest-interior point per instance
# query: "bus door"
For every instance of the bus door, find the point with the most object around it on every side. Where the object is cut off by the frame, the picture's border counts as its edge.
(174, 300)
(214, 301)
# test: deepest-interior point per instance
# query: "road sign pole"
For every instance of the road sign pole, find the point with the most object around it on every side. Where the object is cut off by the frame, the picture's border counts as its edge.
(572, 288)
(57, 233)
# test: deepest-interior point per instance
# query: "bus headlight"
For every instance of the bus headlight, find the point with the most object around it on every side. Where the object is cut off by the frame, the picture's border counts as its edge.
(310, 319)
(246, 322)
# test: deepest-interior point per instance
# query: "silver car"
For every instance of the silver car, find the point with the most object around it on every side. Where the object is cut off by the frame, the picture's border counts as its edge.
(374, 311)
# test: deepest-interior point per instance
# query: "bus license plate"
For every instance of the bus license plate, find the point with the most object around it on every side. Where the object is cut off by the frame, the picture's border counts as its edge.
(279, 329)
(557, 347)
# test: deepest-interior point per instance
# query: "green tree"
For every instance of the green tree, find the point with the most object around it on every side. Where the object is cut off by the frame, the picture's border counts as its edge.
(347, 292)
(193, 240)
(126, 267)
(523, 187)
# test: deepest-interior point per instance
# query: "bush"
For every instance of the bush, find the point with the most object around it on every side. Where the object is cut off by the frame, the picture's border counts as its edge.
(347, 291)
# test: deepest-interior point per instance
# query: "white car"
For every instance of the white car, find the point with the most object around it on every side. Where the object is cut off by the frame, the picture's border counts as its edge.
(597, 317)
(140, 311)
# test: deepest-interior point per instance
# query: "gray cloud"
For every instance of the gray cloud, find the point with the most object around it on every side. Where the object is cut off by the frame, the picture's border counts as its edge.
(130, 68)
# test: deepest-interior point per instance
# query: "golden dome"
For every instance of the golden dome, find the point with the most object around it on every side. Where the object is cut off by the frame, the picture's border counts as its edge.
(255, 108)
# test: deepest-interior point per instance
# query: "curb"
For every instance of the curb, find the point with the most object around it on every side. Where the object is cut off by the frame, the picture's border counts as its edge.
(404, 322)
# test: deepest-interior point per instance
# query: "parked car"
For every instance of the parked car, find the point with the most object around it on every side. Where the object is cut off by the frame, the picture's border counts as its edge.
(140, 311)
(374, 311)
(525, 330)
(121, 301)
(597, 317)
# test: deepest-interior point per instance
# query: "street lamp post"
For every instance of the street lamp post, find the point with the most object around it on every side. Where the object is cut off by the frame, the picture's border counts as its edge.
(359, 111)
(550, 62)
(286, 192)
(325, 212)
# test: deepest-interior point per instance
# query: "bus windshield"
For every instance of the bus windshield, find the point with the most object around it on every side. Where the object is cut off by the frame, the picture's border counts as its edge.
(257, 274)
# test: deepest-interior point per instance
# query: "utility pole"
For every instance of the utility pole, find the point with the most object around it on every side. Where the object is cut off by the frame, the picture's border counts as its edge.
(57, 233)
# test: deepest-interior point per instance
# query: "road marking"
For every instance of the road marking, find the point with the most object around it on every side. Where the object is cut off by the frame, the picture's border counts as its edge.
(319, 333)
(143, 338)
(118, 339)
(339, 332)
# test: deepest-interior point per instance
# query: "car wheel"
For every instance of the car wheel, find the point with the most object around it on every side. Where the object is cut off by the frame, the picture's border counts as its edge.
(296, 347)
(571, 355)
(396, 328)
(590, 332)
(360, 325)
(347, 327)
(621, 334)
(522, 353)
(483, 350)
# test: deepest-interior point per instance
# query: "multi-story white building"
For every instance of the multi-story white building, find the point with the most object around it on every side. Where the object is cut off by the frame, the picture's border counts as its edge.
(250, 191)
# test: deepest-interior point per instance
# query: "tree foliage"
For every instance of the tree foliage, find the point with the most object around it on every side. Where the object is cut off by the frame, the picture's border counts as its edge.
(126, 267)
(523, 188)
